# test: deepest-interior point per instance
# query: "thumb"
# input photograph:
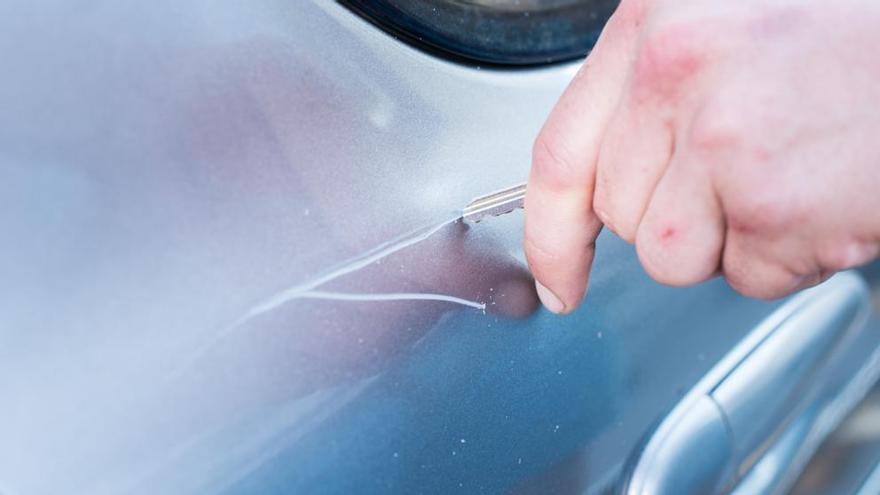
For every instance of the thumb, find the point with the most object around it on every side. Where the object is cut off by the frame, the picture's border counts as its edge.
(561, 227)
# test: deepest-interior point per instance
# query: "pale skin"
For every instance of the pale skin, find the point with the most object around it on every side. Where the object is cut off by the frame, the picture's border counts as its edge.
(739, 139)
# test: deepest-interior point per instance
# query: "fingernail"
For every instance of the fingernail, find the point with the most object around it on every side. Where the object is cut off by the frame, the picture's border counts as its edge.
(549, 299)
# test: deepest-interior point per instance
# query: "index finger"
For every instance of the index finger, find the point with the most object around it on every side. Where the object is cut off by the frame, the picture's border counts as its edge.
(561, 227)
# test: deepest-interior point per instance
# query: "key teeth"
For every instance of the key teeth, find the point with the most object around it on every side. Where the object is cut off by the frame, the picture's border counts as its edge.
(472, 217)
(495, 204)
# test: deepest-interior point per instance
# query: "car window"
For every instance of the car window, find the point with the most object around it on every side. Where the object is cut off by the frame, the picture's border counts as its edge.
(502, 32)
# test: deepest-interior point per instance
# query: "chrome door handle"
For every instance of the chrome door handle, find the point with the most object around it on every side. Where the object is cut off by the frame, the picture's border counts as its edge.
(752, 399)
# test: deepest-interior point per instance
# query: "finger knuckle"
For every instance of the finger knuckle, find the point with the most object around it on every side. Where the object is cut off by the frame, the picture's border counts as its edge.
(758, 282)
(744, 283)
(763, 209)
(601, 202)
(621, 224)
(553, 160)
(604, 207)
(613, 206)
(653, 268)
(743, 286)
(659, 262)
(735, 273)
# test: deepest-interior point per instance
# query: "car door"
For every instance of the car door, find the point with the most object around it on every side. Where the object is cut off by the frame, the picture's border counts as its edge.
(232, 265)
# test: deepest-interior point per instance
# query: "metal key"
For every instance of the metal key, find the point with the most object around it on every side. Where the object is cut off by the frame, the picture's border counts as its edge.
(495, 204)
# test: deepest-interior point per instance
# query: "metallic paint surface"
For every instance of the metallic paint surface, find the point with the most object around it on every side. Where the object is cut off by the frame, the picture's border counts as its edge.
(168, 166)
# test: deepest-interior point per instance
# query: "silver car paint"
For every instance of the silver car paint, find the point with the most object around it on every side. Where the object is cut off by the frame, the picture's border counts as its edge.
(169, 166)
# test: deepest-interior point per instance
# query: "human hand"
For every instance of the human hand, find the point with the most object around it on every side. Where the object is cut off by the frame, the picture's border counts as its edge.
(732, 138)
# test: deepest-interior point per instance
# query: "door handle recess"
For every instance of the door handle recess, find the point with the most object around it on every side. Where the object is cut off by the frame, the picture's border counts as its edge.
(762, 398)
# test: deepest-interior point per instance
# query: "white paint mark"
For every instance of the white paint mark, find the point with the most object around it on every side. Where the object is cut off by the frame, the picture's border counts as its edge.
(354, 264)
(306, 290)
(394, 296)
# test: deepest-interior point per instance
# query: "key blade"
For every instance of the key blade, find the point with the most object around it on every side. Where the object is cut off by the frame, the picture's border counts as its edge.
(495, 204)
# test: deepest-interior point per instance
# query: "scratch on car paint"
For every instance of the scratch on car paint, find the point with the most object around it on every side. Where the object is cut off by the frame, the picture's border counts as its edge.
(394, 296)
(306, 289)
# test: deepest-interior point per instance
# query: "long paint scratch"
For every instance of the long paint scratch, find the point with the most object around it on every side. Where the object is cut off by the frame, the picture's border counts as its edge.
(379, 252)
(394, 296)
(306, 290)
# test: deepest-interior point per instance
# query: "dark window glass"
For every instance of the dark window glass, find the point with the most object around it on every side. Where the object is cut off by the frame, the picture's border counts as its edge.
(504, 32)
